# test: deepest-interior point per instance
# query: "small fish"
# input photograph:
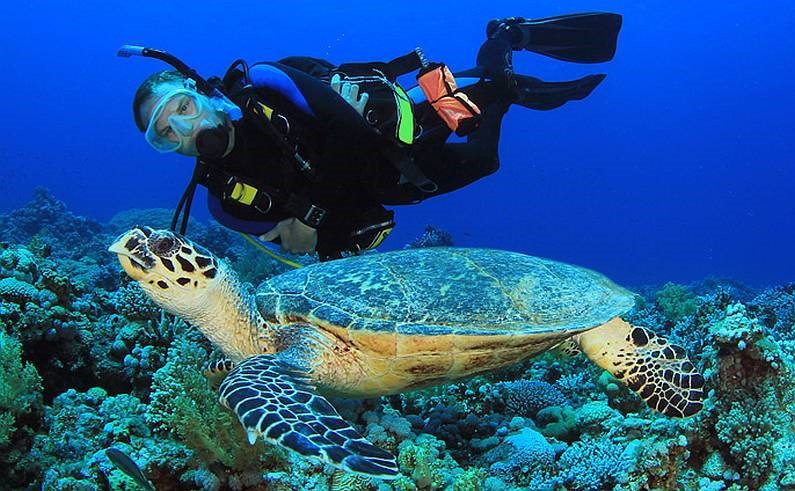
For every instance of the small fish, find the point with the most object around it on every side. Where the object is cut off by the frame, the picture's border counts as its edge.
(128, 466)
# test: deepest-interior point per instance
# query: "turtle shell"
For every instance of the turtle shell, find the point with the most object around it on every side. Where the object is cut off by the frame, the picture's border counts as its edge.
(444, 291)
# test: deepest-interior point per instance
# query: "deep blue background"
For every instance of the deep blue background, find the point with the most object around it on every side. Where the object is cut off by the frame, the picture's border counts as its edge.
(678, 167)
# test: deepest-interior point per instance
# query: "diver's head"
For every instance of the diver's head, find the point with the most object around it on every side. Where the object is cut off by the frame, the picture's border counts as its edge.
(175, 117)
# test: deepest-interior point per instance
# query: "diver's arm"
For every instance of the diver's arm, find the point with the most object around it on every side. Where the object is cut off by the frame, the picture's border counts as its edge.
(319, 99)
(295, 236)
(350, 93)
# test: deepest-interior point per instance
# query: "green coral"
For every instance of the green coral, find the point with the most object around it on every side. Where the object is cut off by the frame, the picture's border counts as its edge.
(676, 301)
(56, 283)
(20, 386)
(558, 422)
(471, 480)
(427, 464)
(183, 404)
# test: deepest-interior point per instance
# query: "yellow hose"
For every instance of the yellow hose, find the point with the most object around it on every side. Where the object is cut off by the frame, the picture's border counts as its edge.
(270, 252)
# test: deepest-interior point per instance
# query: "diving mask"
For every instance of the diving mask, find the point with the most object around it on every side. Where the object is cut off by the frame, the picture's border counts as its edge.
(177, 119)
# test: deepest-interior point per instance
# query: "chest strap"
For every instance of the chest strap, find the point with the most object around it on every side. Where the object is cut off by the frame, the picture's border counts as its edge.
(261, 197)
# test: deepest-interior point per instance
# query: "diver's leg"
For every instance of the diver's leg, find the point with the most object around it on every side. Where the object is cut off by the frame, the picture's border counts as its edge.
(454, 165)
(529, 92)
(451, 166)
(495, 57)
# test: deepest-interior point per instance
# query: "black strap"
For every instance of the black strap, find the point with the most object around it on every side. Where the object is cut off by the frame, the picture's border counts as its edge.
(222, 183)
(185, 202)
(305, 211)
(403, 64)
(405, 164)
(256, 116)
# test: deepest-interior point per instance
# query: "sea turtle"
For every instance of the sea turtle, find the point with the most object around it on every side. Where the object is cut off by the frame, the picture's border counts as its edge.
(385, 323)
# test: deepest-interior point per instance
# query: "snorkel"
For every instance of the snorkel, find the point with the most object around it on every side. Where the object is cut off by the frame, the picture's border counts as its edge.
(211, 142)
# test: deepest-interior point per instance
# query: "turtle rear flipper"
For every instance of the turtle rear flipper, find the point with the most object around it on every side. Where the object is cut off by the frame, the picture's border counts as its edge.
(658, 371)
(277, 401)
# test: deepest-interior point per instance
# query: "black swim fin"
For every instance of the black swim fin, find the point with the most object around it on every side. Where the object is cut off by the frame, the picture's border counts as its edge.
(536, 94)
(579, 38)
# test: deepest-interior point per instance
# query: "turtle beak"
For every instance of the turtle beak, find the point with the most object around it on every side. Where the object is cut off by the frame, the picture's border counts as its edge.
(133, 253)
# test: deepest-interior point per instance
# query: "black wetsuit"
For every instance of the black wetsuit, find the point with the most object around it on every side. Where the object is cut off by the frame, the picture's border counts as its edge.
(354, 176)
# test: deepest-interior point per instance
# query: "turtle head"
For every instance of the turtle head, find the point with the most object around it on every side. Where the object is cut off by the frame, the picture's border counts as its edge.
(174, 271)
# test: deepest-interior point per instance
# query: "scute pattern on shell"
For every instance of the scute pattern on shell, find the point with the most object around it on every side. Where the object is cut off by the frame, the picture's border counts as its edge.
(470, 291)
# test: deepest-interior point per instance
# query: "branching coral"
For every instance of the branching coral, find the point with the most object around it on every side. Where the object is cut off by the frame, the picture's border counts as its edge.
(753, 415)
(527, 397)
(524, 458)
(80, 425)
(20, 406)
(183, 404)
(426, 463)
(432, 237)
(594, 465)
(20, 386)
(132, 302)
(676, 301)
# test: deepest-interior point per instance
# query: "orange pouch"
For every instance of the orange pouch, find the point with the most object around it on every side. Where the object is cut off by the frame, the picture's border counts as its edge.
(454, 107)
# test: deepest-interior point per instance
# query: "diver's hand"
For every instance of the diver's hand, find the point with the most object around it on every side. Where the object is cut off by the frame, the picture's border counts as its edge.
(296, 237)
(350, 92)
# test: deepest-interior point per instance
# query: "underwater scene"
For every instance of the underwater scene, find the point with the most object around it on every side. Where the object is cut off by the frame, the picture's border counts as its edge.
(467, 246)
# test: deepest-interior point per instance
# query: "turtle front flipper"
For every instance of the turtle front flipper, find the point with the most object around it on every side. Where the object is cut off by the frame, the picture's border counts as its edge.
(658, 371)
(277, 401)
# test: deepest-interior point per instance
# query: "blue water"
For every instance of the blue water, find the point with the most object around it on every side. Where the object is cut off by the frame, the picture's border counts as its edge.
(678, 167)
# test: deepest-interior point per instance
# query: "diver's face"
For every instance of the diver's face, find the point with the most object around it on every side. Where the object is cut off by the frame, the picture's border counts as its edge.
(176, 115)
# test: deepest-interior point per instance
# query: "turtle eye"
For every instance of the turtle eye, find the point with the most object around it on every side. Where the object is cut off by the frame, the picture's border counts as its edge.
(163, 245)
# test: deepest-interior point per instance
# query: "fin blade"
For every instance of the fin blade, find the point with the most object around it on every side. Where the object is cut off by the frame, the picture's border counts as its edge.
(534, 93)
(578, 38)
(278, 401)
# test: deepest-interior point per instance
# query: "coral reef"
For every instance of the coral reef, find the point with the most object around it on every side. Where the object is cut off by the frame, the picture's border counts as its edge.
(20, 405)
(676, 302)
(87, 362)
(528, 397)
(432, 237)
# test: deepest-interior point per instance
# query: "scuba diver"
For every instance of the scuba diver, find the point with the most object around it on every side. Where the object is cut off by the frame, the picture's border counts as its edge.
(307, 154)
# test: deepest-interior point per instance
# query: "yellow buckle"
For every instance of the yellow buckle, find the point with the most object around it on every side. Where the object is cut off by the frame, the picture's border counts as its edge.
(243, 193)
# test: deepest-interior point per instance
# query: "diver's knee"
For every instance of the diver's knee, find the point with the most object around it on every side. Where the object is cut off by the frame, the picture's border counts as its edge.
(490, 165)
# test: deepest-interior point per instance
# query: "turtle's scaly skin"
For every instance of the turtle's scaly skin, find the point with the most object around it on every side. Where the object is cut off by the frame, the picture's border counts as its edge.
(419, 317)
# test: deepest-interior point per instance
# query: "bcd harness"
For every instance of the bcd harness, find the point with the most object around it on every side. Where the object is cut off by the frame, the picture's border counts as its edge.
(389, 112)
